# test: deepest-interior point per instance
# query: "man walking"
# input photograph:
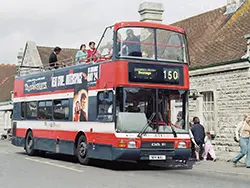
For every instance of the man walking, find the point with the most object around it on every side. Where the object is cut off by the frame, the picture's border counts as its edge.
(198, 132)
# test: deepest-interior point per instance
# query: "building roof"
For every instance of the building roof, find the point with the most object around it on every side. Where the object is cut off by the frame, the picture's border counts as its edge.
(45, 52)
(7, 77)
(215, 38)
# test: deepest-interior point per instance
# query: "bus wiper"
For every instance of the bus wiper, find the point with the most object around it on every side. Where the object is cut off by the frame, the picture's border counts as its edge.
(174, 132)
(147, 124)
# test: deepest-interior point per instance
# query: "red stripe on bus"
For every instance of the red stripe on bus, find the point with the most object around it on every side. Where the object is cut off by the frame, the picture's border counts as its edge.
(97, 138)
(50, 134)
(152, 44)
(147, 24)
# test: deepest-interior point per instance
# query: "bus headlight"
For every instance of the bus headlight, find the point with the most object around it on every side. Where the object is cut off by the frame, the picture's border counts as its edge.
(182, 145)
(131, 144)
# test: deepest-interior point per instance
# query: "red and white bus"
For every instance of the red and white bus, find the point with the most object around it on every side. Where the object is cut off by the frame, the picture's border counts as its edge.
(124, 106)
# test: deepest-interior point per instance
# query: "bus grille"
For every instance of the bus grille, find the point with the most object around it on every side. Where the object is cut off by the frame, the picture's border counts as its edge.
(157, 145)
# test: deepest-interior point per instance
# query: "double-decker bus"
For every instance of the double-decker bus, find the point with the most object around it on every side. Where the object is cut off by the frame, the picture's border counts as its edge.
(130, 103)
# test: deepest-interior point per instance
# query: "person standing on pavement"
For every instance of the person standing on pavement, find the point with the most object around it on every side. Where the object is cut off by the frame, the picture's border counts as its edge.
(198, 132)
(209, 147)
(194, 144)
(244, 142)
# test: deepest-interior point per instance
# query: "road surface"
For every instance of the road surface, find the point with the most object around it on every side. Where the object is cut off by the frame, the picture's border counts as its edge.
(19, 170)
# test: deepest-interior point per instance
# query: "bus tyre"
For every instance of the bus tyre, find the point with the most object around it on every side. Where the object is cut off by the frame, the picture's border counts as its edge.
(29, 144)
(82, 150)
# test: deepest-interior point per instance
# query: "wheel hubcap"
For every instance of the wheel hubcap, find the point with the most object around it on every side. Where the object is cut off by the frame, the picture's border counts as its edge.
(82, 149)
(30, 142)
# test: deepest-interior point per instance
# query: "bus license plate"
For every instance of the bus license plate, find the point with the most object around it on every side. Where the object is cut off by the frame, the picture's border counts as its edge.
(157, 157)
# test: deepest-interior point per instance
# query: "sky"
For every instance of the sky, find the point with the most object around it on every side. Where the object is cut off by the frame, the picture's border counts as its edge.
(69, 23)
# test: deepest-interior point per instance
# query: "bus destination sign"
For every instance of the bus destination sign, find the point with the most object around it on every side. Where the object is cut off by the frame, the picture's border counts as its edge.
(148, 73)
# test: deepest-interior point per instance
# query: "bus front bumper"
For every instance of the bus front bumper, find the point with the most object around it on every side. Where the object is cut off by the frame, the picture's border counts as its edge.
(18, 141)
(151, 154)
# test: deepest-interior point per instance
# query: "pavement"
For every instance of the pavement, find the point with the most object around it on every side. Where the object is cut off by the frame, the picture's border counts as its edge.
(17, 169)
(222, 167)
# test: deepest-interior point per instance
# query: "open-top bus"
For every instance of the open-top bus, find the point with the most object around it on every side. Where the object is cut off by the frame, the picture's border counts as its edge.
(123, 106)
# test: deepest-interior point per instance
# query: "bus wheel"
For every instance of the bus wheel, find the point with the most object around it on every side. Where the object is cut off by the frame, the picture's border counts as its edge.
(82, 150)
(29, 144)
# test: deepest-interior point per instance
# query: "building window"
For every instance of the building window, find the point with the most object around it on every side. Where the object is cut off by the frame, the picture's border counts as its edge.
(61, 109)
(209, 110)
(105, 106)
(45, 110)
(31, 110)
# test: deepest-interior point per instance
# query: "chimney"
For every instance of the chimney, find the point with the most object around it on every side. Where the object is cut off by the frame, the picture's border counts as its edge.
(20, 56)
(151, 12)
(233, 6)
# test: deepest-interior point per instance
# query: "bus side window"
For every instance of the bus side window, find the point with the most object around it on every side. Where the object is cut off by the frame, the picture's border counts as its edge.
(23, 110)
(105, 106)
(45, 110)
(61, 109)
(31, 110)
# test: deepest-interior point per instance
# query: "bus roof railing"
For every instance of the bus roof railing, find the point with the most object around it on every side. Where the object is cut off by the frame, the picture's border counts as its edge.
(24, 70)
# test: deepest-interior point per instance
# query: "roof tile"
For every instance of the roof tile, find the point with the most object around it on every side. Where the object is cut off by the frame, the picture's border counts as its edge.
(7, 76)
(214, 37)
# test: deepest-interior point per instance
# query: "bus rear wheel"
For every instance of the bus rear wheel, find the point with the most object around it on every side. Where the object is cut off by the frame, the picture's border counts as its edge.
(29, 144)
(82, 150)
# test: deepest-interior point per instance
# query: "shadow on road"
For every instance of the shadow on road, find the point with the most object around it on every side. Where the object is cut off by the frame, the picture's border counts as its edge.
(112, 165)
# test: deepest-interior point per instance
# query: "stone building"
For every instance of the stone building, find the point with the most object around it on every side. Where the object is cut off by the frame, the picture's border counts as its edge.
(219, 49)
(219, 71)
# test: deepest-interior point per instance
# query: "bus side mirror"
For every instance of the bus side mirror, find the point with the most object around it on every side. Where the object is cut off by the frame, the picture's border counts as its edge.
(194, 96)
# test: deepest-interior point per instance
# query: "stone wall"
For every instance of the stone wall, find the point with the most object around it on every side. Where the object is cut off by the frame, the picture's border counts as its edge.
(231, 88)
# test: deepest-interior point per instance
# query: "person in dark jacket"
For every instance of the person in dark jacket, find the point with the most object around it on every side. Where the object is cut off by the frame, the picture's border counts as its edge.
(53, 63)
(198, 132)
(133, 44)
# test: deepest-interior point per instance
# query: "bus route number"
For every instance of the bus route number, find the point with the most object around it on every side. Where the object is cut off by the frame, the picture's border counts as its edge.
(171, 75)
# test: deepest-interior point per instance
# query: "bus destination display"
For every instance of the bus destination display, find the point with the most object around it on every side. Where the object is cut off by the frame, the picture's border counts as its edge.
(145, 73)
(155, 73)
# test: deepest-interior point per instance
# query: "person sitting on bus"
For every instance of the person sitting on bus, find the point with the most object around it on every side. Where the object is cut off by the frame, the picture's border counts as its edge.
(134, 107)
(81, 55)
(132, 42)
(53, 63)
(180, 121)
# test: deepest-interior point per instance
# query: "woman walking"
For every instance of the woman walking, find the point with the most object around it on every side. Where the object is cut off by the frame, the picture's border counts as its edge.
(244, 142)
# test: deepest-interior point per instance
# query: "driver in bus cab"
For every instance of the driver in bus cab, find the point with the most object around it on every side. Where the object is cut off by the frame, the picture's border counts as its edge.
(83, 114)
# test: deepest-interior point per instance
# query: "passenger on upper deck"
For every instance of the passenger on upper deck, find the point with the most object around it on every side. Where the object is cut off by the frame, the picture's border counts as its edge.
(81, 55)
(53, 58)
(92, 52)
(132, 42)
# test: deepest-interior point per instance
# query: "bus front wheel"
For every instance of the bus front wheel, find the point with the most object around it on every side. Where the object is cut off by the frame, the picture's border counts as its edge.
(82, 150)
(29, 144)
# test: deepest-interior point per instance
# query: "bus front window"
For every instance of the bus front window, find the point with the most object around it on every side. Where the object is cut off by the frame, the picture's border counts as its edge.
(151, 43)
(136, 42)
(170, 46)
(136, 105)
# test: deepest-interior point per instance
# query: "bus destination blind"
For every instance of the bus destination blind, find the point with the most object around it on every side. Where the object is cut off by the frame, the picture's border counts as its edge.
(155, 73)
